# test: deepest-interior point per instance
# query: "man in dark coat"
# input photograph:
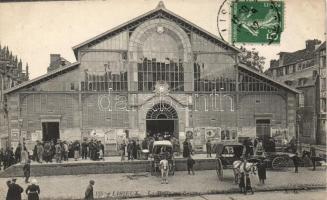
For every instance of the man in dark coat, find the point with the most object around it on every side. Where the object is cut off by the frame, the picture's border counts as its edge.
(27, 170)
(18, 152)
(208, 146)
(130, 150)
(296, 160)
(261, 171)
(186, 150)
(84, 149)
(14, 191)
(313, 156)
(89, 191)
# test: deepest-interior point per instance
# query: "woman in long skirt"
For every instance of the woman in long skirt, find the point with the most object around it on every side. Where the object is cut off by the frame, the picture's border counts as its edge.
(33, 191)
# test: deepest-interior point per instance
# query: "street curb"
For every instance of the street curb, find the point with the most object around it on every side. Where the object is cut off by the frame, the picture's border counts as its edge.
(293, 188)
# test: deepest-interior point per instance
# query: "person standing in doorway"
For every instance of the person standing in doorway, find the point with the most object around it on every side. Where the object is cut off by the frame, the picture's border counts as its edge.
(27, 170)
(208, 146)
(89, 191)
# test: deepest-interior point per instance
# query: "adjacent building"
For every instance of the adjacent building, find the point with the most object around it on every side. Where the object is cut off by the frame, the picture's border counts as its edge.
(305, 70)
(157, 73)
(11, 74)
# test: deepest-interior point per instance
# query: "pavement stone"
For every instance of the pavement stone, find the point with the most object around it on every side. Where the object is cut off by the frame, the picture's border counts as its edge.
(143, 184)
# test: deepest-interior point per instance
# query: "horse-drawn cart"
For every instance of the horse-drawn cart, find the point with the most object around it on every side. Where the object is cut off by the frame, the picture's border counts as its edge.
(226, 155)
(162, 149)
(278, 160)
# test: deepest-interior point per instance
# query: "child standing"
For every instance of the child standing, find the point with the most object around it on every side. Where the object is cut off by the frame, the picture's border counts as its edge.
(164, 170)
(190, 163)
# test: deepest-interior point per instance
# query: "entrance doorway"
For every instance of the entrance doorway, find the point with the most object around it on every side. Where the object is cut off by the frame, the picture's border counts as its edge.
(263, 128)
(50, 131)
(162, 118)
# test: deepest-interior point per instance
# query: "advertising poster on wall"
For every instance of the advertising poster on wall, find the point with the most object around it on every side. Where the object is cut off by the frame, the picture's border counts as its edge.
(14, 134)
(280, 135)
(213, 133)
(189, 133)
(110, 136)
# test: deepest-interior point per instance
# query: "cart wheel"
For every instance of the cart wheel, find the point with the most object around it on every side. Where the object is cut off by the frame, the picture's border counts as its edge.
(219, 169)
(279, 163)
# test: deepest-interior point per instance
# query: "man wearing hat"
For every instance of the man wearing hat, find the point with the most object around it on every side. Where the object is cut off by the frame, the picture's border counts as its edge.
(33, 191)
(14, 191)
(89, 191)
(58, 151)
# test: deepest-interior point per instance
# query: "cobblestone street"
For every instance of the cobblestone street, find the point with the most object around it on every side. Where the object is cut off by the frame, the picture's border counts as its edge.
(143, 184)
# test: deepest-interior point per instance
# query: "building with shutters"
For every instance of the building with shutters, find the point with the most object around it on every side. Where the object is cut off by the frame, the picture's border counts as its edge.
(305, 70)
(157, 73)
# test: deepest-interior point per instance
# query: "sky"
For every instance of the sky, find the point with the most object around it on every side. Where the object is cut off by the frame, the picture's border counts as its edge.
(34, 30)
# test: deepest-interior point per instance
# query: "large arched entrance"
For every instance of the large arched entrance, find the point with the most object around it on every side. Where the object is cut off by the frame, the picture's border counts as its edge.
(162, 118)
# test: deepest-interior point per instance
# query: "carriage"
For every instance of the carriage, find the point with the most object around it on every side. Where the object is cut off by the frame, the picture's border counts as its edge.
(278, 160)
(226, 154)
(162, 149)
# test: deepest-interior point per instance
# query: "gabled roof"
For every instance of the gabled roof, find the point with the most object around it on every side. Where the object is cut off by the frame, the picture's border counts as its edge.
(42, 78)
(283, 85)
(159, 9)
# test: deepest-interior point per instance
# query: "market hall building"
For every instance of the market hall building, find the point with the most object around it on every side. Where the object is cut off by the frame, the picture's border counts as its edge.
(157, 73)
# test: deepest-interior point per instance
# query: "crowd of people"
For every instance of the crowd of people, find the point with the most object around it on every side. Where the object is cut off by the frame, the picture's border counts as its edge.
(50, 151)
(63, 150)
(9, 156)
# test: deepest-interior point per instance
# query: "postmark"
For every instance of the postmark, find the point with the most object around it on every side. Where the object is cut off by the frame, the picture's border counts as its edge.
(254, 21)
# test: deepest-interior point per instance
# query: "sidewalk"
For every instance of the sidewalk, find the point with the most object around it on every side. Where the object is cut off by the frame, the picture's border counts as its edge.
(145, 185)
(117, 159)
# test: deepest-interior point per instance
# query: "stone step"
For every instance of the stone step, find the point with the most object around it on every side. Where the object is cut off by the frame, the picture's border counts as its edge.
(100, 167)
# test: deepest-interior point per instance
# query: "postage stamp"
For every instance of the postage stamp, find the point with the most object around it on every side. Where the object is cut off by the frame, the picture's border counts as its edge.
(257, 21)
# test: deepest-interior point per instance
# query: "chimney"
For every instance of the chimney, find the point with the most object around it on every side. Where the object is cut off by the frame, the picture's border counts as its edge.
(54, 58)
(310, 44)
(54, 62)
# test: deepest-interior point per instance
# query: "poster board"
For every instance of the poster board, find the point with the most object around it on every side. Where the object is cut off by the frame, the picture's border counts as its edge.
(14, 135)
(213, 133)
(110, 136)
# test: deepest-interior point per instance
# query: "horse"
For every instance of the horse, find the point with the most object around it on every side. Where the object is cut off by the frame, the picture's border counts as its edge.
(240, 167)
